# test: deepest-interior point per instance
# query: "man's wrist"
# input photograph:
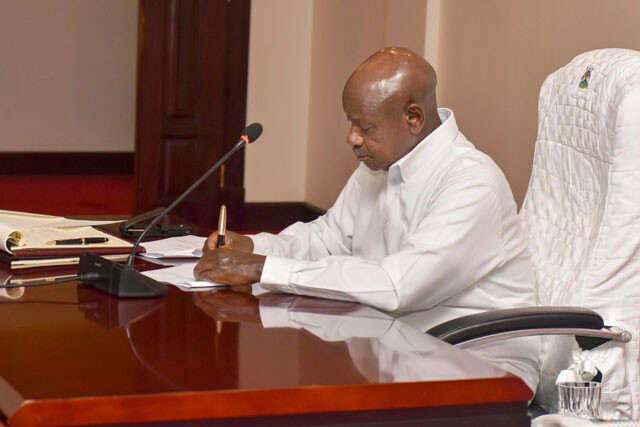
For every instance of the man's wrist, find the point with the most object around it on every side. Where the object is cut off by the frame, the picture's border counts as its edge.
(259, 267)
(257, 247)
(277, 271)
(250, 244)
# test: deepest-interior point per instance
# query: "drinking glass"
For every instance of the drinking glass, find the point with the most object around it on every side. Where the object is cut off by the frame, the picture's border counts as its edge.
(581, 398)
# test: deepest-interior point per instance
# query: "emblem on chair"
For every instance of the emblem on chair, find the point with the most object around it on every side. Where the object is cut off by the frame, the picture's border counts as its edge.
(584, 81)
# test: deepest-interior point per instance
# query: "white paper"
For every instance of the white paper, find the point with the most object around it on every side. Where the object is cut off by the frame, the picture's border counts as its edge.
(12, 222)
(169, 262)
(180, 275)
(175, 247)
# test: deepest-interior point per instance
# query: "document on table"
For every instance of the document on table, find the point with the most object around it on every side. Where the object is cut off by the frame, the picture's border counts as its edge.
(181, 276)
(175, 247)
(15, 225)
(15, 219)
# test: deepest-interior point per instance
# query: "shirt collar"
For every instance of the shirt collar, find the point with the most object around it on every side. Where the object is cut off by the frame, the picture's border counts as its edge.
(443, 135)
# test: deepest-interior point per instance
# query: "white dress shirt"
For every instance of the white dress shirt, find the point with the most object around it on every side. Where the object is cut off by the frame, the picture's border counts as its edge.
(438, 230)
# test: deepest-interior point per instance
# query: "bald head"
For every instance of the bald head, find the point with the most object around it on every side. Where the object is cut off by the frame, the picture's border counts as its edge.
(394, 87)
(395, 76)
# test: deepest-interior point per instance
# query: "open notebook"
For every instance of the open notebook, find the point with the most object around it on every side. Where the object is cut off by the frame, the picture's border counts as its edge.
(25, 237)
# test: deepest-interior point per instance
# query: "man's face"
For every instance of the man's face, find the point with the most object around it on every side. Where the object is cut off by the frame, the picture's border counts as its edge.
(378, 133)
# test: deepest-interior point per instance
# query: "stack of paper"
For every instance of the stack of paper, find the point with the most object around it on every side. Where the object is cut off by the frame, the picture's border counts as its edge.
(175, 247)
(178, 250)
(181, 276)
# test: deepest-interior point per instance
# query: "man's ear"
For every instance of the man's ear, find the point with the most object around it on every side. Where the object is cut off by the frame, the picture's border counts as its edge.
(414, 115)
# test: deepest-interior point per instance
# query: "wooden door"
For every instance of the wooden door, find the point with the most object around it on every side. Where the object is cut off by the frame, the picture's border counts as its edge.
(191, 102)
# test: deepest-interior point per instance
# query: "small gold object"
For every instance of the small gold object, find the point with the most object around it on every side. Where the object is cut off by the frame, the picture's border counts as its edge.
(222, 226)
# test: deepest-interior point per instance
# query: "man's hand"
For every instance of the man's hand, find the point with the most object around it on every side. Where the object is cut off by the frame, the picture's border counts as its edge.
(232, 241)
(229, 266)
(228, 306)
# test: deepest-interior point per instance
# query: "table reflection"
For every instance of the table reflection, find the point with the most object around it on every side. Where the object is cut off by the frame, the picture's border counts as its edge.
(98, 345)
(233, 354)
(383, 347)
(11, 293)
(222, 339)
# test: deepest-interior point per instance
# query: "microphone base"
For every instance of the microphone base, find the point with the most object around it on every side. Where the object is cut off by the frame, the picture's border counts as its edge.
(117, 279)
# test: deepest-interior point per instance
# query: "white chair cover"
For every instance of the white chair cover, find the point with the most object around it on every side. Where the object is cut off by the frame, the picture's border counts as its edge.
(582, 212)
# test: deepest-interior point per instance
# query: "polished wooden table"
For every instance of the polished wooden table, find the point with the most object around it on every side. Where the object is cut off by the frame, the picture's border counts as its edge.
(72, 355)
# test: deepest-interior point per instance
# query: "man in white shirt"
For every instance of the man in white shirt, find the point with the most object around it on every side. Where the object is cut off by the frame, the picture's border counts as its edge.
(425, 222)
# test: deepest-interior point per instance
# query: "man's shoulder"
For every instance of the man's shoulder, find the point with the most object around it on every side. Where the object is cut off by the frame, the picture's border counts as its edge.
(466, 167)
(471, 161)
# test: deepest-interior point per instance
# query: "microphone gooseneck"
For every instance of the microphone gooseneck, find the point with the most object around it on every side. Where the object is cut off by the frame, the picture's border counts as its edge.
(123, 280)
(249, 135)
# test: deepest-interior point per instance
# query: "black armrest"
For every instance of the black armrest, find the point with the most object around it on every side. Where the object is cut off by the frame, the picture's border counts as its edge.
(495, 322)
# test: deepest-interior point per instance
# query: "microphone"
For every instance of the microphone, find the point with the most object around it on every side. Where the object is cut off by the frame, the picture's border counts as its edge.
(123, 280)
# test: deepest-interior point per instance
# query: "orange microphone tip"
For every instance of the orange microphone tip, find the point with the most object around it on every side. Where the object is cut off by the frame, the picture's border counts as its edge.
(245, 138)
(252, 132)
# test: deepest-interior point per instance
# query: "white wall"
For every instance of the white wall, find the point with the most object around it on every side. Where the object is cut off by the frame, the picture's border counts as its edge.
(68, 82)
(344, 33)
(493, 56)
(304, 156)
(278, 97)
(68, 75)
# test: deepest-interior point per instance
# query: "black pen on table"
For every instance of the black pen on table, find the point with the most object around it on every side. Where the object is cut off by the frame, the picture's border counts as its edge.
(79, 241)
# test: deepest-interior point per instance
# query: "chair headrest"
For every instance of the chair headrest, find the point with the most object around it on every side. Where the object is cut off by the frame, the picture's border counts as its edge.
(585, 103)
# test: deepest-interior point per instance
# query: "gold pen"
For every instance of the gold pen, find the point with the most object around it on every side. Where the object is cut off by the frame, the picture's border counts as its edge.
(222, 230)
(222, 226)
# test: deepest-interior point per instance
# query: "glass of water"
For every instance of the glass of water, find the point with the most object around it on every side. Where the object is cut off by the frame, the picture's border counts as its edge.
(581, 398)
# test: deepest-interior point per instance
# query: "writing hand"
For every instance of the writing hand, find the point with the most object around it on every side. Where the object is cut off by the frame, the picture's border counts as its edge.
(229, 266)
(228, 306)
(232, 241)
